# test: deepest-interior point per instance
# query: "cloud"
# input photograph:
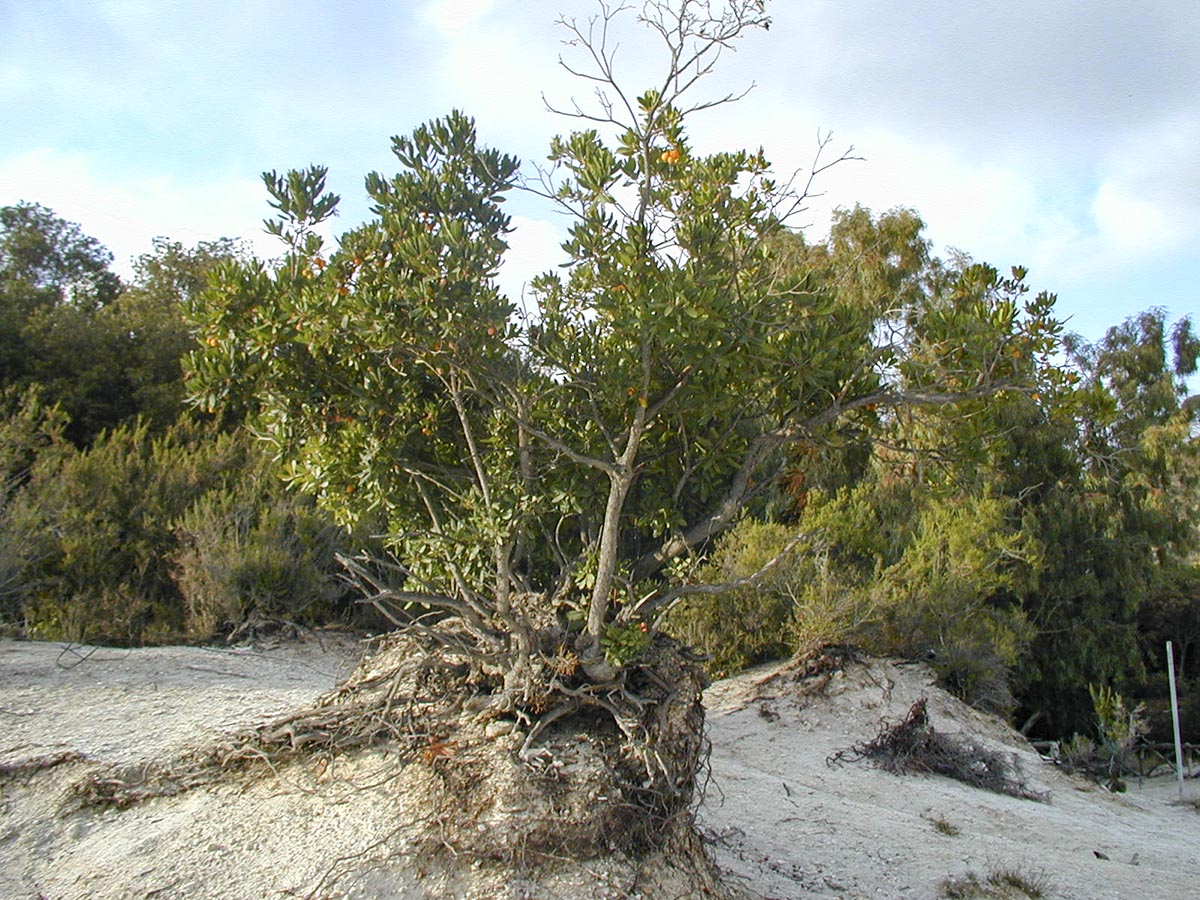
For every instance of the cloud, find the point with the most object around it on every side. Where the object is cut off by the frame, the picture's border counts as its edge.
(992, 73)
(1063, 136)
(126, 214)
(453, 17)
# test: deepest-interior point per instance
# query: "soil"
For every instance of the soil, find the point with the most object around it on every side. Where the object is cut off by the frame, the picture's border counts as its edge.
(779, 821)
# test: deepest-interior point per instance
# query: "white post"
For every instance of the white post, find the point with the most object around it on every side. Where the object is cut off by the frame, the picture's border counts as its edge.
(1175, 718)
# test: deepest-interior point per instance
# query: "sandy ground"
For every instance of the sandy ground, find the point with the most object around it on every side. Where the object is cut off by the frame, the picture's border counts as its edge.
(782, 823)
(790, 825)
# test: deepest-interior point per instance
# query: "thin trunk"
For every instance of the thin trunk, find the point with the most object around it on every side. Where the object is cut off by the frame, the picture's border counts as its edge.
(499, 551)
(610, 536)
(621, 478)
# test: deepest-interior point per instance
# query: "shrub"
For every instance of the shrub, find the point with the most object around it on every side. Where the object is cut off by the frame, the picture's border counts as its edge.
(1077, 754)
(895, 573)
(1006, 883)
(256, 548)
(945, 599)
(1119, 730)
(145, 538)
(27, 428)
(103, 519)
(745, 626)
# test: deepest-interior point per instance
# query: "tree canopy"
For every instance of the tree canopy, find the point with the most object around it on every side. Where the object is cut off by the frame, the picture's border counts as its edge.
(574, 462)
(102, 350)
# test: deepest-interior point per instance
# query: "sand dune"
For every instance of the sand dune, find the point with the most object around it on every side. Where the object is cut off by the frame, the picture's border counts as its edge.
(780, 821)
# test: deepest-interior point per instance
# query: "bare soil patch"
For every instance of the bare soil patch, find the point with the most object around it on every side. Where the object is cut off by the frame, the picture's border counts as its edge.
(358, 823)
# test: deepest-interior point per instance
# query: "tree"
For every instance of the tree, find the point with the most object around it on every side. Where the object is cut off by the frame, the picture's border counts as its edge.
(150, 319)
(105, 352)
(1116, 526)
(46, 261)
(54, 281)
(547, 481)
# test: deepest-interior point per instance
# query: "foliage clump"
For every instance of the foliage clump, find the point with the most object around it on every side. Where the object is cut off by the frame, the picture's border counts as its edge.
(743, 626)
(1041, 543)
(885, 567)
(1001, 883)
(1110, 756)
(145, 538)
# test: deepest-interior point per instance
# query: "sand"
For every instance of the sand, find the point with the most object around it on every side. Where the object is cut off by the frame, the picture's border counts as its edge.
(780, 821)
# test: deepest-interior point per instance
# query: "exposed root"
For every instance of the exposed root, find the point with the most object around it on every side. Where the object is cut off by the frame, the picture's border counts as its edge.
(913, 746)
(526, 760)
(812, 672)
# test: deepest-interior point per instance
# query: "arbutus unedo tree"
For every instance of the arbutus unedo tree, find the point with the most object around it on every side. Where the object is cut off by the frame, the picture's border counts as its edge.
(546, 483)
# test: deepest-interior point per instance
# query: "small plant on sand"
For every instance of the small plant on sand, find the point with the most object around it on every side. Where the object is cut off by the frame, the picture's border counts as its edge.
(944, 826)
(1001, 883)
(1119, 728)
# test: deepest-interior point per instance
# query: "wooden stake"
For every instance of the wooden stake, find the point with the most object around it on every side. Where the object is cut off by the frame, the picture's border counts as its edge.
(1175, 718)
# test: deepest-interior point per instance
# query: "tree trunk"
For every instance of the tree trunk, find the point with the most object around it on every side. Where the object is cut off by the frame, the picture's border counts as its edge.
(610, 536)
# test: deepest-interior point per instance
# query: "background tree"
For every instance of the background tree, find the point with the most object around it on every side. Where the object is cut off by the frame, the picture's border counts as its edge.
(54, 283)
(103, 351)
(1117, 527)
(151, 318)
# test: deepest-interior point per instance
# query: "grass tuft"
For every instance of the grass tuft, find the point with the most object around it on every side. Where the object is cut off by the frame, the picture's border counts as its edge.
(1006, 883)
(943, 826)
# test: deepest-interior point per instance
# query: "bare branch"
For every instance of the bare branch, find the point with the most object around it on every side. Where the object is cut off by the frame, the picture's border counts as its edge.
(661, 604)
(751, 478)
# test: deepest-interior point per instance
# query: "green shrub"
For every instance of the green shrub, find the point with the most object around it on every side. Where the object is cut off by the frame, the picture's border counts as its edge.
(103, 519)
(256, 548)
(887, 569)
(144, 538)
(741, 627)
(1119, 729)
(27, 428)
(1078, 754)
(947, 598)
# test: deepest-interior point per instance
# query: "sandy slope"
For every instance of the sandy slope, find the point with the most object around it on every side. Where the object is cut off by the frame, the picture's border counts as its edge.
(782, 822)
(795, 827)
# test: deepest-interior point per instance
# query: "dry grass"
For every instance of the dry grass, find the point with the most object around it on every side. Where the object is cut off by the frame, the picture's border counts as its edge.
(1003, 883)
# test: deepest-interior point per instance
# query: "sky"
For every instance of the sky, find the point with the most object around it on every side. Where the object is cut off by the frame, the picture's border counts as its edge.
(1062, 136)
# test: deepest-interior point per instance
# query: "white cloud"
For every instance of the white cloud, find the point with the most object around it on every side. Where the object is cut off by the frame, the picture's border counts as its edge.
(126, 214)
(1129, 225)
(452, 17)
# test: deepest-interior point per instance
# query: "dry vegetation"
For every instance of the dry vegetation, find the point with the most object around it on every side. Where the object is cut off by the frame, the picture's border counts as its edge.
(569, 774)
(913, 746)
